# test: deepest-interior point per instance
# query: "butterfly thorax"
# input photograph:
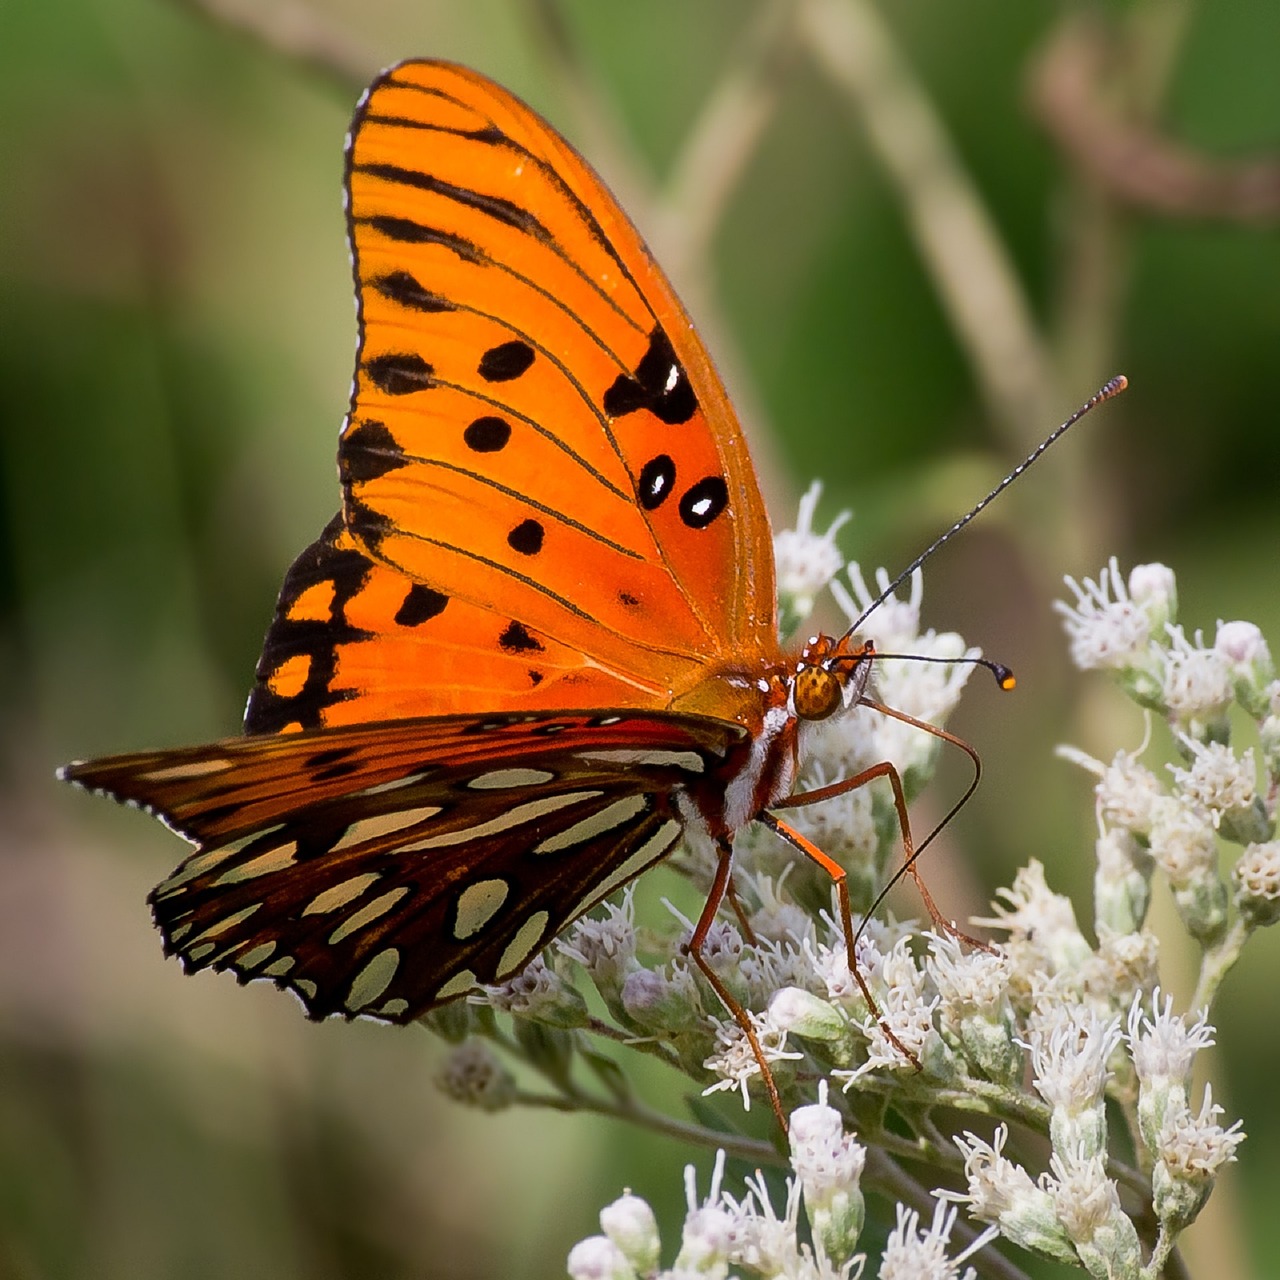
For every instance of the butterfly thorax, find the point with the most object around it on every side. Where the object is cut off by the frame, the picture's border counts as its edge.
(771, 702)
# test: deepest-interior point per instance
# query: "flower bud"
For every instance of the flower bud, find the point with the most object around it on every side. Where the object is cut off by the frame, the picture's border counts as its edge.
(630, 1224)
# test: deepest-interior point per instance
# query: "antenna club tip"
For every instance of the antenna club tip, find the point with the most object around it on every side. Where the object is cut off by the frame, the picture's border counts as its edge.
(1114, 387)
(1004, 677)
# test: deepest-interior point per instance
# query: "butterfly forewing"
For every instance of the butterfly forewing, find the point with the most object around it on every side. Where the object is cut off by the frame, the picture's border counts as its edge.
(355, 641)
(535, 427)
(386, 869)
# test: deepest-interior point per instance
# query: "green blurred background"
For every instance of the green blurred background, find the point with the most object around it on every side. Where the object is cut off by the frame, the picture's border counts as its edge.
(177, 343)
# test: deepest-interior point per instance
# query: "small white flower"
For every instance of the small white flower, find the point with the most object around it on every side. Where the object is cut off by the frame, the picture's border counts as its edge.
(734, 1060)
(1191, 1152)
(1218, 779)
(1155, 589)
(1197, 683)
(605, 946)
(910, 1254)
(1107, 629)
(974, 1009)
(1070, 1047)
(900, 1034)
(1243, 645)
(1003, 1193)
(1042, 925)
(806, 561)
(1121, 882)
(630, 1224)
(828, 1165)
(538, 992)
(598, 1258)
(709, 1235)
(1183, 839)
(1088, 1206)
(1163, 1046)
(1162, 1043)
(1196, 1146)
(1257, 881)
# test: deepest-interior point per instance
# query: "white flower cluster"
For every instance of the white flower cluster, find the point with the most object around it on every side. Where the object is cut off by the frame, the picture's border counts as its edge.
(1216, 796)
(1051, 1038)
(722, 1233)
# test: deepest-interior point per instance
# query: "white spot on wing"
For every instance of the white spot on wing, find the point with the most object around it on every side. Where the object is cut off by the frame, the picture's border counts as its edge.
(522, 813)
(264, 864)
(500, 779)
(340, 894)
(373, 979)
(383, 824)
(456, 985)
(252, 959)
(279, 968)
(227, 922)
(524, 944)
(394, 1008)
(477, 904)
(612, 815)
(368, 913)
(689, 761)
(307, 987)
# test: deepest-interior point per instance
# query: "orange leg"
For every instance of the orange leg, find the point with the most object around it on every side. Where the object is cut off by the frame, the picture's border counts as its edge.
(720, 888)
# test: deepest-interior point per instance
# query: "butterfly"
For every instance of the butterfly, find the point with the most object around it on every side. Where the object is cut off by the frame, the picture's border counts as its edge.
(538, 646)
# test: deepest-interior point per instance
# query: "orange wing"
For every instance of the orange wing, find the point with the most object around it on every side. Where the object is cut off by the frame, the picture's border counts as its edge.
(355, 641)
(536, 430)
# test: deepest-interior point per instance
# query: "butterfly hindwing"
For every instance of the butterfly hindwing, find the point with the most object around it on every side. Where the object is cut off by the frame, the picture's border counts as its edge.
(535, 426)
(386, 869)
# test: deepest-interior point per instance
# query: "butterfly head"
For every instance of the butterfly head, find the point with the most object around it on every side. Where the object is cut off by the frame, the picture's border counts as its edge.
(830, 674)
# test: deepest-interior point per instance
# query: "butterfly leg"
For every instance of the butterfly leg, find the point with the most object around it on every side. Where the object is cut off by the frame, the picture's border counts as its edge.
(839, 877)
(721, 887)
(910, 853)
(732, 898)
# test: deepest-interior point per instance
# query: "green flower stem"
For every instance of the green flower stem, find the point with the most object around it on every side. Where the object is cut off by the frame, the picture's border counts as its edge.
(1217, 962)
(754, 1151)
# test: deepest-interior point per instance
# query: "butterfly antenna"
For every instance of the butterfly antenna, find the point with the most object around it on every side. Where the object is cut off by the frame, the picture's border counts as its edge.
(1106, 392)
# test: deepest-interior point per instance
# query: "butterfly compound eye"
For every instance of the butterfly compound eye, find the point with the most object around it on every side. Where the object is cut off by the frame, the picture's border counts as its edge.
(816, 693)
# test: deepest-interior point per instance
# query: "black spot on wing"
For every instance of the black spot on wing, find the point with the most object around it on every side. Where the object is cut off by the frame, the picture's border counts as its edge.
(526, 538)
(399, 373)
(406, 231)
(420, 605)
(656, 478)
(516, 639)
(704, 501)
(487, 435)
(659, 384)
(496, 207)
(403, 288)
(505, 362)
(367, 452)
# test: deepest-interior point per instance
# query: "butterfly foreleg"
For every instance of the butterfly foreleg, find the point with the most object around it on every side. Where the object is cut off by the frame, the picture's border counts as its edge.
(910, 853)
(722, 887)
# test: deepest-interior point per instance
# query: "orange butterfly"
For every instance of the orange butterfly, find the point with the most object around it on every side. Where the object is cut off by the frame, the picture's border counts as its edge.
(539, 646)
